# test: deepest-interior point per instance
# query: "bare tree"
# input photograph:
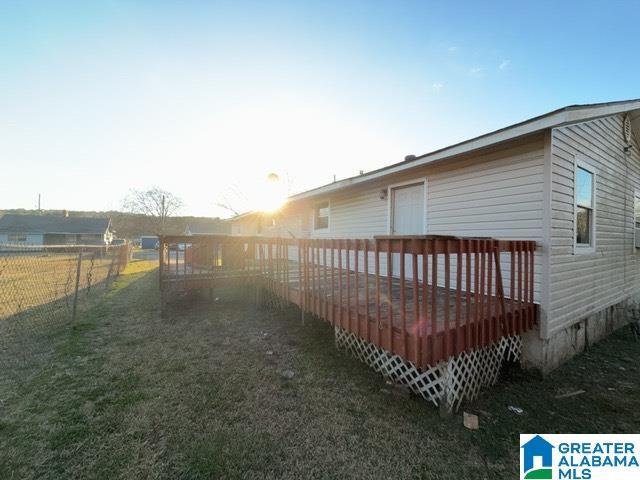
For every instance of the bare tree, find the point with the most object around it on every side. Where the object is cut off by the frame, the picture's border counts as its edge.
(154, 202)
(233, 199)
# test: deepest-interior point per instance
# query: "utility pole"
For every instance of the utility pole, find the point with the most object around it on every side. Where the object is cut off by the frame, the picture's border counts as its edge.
(39, 209)
(162, 215)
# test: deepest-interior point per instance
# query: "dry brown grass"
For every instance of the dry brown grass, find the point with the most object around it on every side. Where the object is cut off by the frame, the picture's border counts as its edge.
(207, 394)
(36, 279)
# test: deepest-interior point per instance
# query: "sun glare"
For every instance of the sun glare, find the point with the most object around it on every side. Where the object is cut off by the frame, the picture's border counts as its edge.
(274, 195)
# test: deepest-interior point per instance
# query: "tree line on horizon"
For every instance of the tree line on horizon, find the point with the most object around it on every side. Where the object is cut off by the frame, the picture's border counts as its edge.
(146, 212)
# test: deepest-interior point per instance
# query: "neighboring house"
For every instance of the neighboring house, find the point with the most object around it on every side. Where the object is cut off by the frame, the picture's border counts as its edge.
(206, 226)
(570, 180)
(55, 230)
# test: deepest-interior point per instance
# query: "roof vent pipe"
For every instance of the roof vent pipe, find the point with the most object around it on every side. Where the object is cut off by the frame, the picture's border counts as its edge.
(409, 158)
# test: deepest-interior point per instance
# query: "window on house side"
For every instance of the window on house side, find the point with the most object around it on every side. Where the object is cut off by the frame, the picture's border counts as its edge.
(636, 220)
(16, 238)
(584, 207)
(321, 216)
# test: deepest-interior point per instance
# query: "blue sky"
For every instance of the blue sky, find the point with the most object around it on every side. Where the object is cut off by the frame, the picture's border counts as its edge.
(206, 98)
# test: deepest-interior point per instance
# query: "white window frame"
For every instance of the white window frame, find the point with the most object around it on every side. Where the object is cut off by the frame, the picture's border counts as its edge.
(23, 237)
(578, 248)
(390, 189)
(313, 218)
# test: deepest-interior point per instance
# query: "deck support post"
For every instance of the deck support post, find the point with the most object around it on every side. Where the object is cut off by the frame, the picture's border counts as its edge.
(445, 384)
(258, 292)
(163, 303)
(445, 404)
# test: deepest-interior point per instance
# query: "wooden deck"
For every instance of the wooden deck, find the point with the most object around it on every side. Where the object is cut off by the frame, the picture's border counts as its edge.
(424, 318)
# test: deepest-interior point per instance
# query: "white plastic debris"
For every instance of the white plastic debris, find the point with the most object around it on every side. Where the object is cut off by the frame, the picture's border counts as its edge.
(470, 421)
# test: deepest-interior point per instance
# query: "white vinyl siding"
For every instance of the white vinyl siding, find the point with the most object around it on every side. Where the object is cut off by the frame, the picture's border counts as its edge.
(584, 284)
(497, 194)
(31, 239)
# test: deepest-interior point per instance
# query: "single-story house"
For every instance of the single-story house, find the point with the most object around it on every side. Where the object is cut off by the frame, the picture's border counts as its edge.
(207, 226)
(569, 179)
(55, 230)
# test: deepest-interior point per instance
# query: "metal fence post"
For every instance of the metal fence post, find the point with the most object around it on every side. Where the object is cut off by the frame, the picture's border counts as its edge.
(75, 295)
(110, 272)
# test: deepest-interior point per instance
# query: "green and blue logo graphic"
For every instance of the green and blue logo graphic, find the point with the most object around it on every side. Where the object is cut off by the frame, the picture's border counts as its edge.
(580, 456)
(537, 459)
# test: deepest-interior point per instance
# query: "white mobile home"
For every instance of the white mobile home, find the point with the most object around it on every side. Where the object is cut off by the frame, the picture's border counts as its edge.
(570, 180)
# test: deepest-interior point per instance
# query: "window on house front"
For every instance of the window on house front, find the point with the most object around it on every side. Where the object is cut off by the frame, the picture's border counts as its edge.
(636, 219)
(17, 238)
(584, 198)
(321, 216)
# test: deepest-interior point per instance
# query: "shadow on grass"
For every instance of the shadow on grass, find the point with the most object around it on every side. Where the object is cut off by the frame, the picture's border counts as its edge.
(228, 390)
(54, 407)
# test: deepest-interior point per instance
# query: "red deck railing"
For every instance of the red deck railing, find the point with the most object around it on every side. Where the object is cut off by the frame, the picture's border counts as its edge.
(424, 298)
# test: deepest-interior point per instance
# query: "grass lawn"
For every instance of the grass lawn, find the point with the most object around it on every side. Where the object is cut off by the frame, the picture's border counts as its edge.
(230, 391)
(38, 282)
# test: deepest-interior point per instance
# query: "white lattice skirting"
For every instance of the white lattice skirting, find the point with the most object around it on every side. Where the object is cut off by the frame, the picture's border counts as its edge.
(447, 383)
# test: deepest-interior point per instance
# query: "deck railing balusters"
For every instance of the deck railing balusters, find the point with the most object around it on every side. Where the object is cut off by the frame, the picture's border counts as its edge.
(416, 302)
(412, 311)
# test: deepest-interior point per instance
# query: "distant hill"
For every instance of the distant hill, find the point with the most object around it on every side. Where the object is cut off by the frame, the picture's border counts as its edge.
(131, 225)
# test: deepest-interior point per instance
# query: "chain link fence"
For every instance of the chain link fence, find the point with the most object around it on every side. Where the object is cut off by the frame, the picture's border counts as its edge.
(44, 286)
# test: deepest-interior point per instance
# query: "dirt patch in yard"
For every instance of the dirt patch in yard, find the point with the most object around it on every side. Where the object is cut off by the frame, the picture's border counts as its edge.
(226, 390)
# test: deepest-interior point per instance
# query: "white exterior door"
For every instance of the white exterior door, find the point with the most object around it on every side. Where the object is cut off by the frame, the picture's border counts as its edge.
(407, 210)
(407, 218)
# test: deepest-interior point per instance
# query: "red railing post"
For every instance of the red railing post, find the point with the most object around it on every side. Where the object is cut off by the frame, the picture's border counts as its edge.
(425, 303)
(434, 303)
(389, 298)
(415, 248)
(366, 289)
(356, 255)
(403, 301)
(378, 301)
(458, 313)
(340, 283)
(348, 269)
